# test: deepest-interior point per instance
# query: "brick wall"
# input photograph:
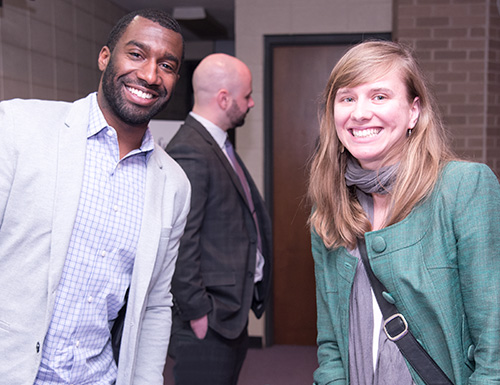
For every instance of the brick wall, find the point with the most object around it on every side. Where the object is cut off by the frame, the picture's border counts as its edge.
(493, 114)
(49, 48)
(458, 44)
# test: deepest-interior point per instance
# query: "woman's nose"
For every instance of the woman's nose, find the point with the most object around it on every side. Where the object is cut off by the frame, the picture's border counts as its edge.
(361, 110)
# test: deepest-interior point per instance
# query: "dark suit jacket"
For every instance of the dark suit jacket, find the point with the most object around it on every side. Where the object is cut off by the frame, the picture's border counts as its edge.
(216, 264)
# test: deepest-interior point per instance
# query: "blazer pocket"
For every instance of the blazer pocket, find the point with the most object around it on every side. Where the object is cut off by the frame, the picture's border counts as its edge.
(219, 278)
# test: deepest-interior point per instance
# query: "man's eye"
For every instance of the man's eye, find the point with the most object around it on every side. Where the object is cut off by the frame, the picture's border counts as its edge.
(168, 67)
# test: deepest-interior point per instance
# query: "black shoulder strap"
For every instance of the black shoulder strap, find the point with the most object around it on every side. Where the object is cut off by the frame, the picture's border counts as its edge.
(396, 329)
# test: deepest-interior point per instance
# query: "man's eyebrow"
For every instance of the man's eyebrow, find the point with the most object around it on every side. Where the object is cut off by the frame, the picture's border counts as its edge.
(137, 44)
(146, 47)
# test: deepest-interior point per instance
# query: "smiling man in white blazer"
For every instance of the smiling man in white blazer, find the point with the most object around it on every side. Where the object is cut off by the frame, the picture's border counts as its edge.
(89, 208)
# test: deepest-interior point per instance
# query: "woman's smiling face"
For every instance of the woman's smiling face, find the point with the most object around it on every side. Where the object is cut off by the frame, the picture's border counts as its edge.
(373, 119)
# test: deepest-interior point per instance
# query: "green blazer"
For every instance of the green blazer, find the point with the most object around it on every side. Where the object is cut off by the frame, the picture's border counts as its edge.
(441, 265)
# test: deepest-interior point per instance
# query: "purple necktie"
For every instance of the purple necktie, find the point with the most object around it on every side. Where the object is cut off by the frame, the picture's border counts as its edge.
(241, 175)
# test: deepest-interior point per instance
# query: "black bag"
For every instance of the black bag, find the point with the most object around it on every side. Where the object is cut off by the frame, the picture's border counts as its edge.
(117, 330)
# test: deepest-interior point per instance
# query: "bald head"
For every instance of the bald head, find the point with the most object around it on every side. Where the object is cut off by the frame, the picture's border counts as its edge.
(222, 86)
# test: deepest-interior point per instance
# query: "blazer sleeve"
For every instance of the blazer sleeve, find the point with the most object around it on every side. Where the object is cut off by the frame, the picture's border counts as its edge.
(476, 222)
(157, 320)
(191, 298)
(331, 369)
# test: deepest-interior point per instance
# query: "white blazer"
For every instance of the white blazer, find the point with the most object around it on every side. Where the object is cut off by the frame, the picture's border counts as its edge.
(42, 151)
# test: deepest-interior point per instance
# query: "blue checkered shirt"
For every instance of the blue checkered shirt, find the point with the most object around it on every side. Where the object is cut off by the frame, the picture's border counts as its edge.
(98, 267)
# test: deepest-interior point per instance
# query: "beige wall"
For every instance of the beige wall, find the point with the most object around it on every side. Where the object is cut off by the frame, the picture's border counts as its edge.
(48, 48)
(257, 18)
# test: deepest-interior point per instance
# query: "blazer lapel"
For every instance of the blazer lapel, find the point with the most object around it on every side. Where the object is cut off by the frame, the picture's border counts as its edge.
(222, 157)
(151, 228)
(71, 149)
(230, 170)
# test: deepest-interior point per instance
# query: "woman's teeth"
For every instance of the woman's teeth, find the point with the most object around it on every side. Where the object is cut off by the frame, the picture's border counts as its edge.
(365, 133)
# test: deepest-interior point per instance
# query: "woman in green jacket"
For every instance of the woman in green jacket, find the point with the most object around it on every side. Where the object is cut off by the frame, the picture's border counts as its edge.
(383, 172)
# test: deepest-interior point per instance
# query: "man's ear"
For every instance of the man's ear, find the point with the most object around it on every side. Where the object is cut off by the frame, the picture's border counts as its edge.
(223, 99)
(103, 58)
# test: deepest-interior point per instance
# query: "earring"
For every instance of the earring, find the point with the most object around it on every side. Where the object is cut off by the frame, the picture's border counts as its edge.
(408, 134)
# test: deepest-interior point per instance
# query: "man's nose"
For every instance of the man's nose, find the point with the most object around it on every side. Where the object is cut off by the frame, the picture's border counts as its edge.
(149, 73)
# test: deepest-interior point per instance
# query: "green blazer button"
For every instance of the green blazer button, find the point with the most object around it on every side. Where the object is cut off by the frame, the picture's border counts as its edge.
(389, 298)
(470, 353)
(378, 244)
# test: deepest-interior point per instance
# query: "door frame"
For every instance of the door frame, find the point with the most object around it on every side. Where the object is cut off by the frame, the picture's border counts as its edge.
(270, 43)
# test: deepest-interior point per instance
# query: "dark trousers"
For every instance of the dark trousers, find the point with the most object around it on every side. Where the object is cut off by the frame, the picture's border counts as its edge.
(215, 360)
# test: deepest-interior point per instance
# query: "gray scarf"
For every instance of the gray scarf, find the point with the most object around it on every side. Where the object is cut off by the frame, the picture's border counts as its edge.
(370, 181)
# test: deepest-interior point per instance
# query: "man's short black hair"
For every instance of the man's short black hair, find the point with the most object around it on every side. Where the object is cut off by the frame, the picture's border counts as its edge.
(156, 15)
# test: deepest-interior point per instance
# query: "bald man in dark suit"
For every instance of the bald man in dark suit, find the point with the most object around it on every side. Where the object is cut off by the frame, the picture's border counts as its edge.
(224, 264)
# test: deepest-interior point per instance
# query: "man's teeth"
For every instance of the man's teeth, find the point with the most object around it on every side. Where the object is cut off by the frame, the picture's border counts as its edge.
(365, 133)
(139, 93)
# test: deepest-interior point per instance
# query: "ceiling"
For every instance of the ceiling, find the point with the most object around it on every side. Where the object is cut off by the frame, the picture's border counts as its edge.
(221, 12)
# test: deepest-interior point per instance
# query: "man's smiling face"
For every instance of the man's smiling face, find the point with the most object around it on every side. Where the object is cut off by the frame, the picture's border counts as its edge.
(140, 74)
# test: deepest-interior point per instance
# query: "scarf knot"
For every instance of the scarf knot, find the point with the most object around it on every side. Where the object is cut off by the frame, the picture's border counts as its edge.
(370, 181)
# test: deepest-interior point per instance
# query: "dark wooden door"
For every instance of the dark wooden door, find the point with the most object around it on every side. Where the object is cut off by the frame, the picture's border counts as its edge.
(299, 76)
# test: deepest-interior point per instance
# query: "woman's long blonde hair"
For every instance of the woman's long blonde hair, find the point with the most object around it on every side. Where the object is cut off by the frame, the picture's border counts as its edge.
(338, 217)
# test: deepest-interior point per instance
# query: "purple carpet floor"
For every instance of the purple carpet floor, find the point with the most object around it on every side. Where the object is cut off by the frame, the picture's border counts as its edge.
(275, 365)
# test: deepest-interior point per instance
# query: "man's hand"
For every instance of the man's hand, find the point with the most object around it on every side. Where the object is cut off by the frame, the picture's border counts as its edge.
(200, 326)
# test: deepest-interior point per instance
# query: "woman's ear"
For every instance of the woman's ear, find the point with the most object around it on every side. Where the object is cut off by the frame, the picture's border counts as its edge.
(414, 113)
